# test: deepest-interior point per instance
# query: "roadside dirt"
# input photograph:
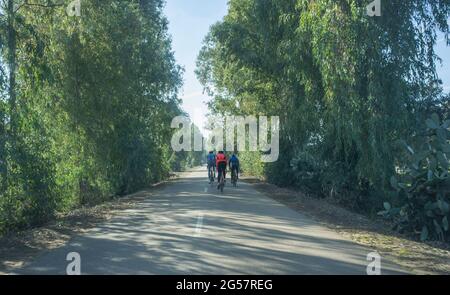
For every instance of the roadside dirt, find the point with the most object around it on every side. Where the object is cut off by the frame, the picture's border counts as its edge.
(19, 248)
(414, 256)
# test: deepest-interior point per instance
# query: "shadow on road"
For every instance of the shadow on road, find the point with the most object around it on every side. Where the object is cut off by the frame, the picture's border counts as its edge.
(241, 232)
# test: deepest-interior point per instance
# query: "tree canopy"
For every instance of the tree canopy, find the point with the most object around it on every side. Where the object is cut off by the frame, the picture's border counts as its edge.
(348, 88)
(86, 104)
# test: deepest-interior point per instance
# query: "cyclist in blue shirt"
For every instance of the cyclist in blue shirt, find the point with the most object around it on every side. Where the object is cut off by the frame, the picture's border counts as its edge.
(233, 163)
(211, 162)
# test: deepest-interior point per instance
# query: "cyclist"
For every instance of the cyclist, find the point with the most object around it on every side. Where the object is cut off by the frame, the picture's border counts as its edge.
(221, 164)
(233, 163)
(211, 162)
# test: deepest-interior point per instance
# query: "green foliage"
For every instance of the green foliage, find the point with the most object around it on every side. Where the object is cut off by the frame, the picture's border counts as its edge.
(250, 163)
(307, 171)
(346, 86)
(93, 100)
(422, 196)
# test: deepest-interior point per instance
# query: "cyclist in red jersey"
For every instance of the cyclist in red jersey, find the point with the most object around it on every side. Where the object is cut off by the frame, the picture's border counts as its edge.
(221, 164)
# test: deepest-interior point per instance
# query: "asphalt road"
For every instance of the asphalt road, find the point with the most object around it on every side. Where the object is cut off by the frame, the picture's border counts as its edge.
(190, 228)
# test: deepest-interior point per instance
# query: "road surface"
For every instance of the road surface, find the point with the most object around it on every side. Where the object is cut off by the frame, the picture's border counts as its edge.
(190, 228)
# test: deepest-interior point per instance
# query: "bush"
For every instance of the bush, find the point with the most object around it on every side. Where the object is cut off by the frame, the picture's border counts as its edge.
(307, 171)
(422, 190)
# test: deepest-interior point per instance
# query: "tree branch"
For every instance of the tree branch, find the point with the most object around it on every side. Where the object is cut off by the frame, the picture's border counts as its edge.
(26, 3)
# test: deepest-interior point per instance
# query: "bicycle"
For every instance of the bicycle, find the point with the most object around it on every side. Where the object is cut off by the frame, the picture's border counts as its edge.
(211, 174)
(234, 177)
(221, 182)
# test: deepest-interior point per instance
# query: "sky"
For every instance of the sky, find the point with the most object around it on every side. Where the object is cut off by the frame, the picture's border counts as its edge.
(443, 51)
(189, 22)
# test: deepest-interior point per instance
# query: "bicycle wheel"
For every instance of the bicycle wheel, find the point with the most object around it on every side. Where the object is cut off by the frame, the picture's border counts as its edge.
(221, 183)
(211, 174)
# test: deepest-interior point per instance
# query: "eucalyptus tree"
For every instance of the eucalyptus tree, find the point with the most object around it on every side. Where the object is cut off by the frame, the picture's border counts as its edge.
(346, 86)
(87, 104)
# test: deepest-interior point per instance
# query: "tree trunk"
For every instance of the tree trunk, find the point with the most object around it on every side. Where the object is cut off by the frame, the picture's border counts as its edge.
(5, 136)
(3, 157)
(12, 69)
